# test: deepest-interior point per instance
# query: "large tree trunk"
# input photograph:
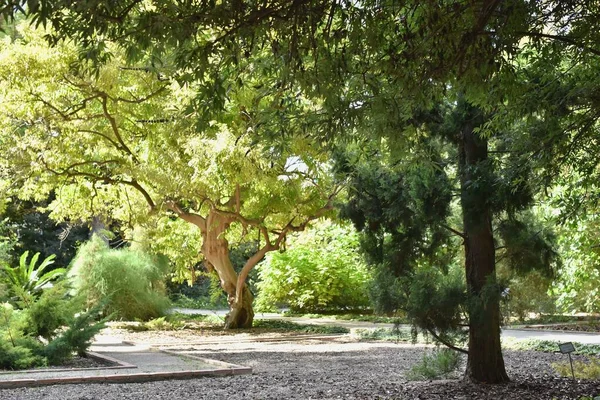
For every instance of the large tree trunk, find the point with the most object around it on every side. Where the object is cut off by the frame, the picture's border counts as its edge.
(216, 251)
(485, 362)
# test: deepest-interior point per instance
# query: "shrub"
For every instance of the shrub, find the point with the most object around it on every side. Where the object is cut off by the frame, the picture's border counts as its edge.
(583, 370)
(75, 339)
(527, 294)
(51, 316)
(320, 270)
(441, 363)
(129, 283)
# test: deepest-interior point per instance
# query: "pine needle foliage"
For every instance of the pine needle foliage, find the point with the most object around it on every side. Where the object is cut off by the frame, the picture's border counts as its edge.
(47, 332)
(129, 283)
(76, 338)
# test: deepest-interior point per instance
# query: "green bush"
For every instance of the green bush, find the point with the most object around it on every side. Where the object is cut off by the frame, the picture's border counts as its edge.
(527, 293)
(75, 339)
(320, 270)
(439, 364)
(129, 283)
(51, 311)
(52, 317)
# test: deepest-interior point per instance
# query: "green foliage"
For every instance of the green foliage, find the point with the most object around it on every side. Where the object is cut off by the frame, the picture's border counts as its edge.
(577, 286)
(437, 301)
(549, 346)
(51, 311)
(441, 363)
(29, 227)
(162, 324)
(528, 245)
(7, 242)
(386, 291)
(52, 317)
(386, 334)
(528, 294)
(582, 369)
(29, 279)
(286, 326)
(18, 357)
(128, 284)
(320, 270)
(76, 338)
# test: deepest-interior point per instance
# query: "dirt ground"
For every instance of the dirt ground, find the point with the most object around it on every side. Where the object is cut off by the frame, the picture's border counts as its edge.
(319, 369)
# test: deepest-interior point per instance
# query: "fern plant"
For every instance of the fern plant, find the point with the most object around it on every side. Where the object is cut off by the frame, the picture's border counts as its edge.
(27, 279)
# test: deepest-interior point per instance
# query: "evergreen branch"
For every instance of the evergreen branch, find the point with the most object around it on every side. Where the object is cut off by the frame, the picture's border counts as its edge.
(446, 343)
(458, 233)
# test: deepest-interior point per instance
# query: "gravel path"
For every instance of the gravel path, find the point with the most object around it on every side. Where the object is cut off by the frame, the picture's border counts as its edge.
(317, 370)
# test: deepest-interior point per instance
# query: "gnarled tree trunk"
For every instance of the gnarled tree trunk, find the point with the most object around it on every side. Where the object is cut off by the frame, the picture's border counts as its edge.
(216, 251)
(485, 362)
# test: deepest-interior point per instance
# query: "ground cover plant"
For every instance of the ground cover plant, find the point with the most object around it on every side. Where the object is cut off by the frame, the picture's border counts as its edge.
(212, 323)
(439, 364)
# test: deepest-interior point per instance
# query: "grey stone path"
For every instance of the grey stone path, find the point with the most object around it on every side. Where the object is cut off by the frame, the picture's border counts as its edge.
(137, 363)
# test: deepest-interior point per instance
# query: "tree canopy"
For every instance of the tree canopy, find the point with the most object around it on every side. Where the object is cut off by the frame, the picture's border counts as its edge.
(478, 76)
(124, 145)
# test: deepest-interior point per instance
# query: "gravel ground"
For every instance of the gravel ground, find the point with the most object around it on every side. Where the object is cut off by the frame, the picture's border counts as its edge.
(336, 370)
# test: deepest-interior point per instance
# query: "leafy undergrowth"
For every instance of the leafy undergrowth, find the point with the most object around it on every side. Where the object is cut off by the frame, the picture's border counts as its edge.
(208, 323)
(582, 369)
(558, 319)
(385, 334)
(378, 319)
(439, 364)
(549, 346)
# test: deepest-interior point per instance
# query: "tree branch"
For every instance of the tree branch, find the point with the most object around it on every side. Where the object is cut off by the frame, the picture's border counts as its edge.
(192, 218)
(115, 127)
(446, 343)
(458, 233)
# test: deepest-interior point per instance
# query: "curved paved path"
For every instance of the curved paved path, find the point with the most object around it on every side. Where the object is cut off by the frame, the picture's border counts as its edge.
(579, 337)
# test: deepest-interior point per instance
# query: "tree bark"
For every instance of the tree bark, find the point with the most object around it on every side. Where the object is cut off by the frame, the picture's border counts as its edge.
(485, 362)
(216, 251)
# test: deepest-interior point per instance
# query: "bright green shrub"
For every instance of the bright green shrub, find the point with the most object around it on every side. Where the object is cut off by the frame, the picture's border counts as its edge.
(18, 357)
(43, 326)
(129, 283)
(321, 269)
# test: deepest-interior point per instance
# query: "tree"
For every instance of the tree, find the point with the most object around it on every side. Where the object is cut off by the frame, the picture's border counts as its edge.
(123, 144)
(372, 65)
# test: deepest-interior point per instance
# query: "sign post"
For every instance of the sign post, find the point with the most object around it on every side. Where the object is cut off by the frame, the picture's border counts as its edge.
(568, 348)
